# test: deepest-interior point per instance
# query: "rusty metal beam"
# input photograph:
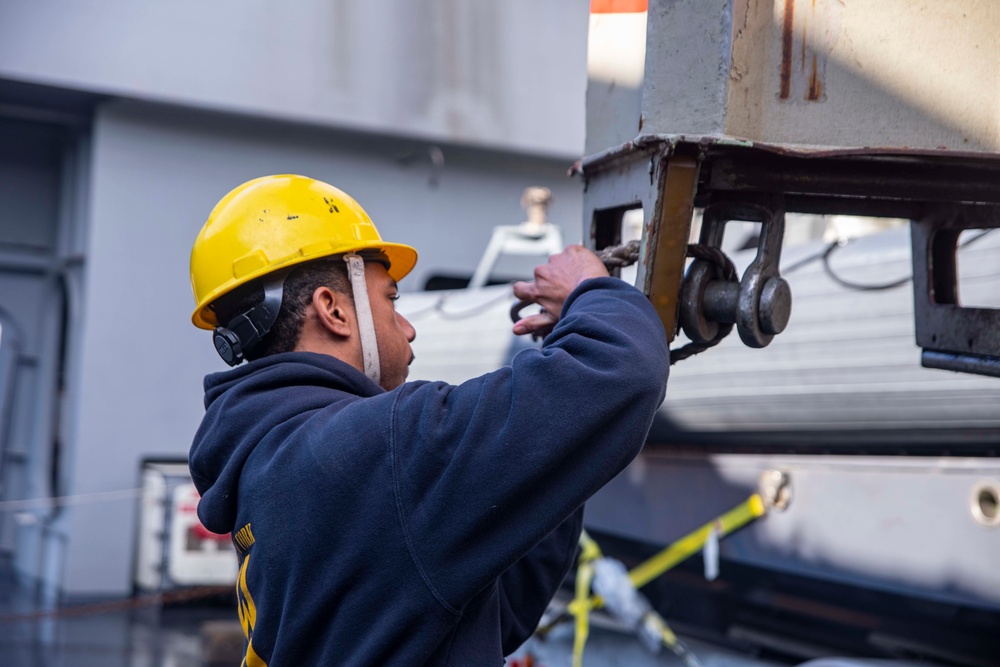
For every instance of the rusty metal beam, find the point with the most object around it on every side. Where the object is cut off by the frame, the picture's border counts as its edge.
(666, 246)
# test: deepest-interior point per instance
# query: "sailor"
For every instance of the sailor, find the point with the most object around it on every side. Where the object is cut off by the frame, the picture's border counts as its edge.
(380, 522)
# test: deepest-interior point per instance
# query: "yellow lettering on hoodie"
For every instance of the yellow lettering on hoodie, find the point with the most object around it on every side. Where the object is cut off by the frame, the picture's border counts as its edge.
(248, 614)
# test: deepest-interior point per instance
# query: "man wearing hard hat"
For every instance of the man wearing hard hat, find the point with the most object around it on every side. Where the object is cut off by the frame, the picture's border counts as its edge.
(380, 522)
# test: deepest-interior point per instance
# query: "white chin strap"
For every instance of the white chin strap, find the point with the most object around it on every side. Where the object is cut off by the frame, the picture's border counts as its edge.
(363, 308)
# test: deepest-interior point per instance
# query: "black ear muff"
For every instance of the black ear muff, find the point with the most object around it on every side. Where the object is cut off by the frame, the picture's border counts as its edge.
(242, 333)
(227, 344)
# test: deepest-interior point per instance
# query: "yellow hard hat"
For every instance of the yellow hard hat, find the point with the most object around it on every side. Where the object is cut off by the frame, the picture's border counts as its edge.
(275, 222)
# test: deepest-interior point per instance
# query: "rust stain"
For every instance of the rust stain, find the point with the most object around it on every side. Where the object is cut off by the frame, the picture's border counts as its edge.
(815, 91)
(804, 33)
(787, 47)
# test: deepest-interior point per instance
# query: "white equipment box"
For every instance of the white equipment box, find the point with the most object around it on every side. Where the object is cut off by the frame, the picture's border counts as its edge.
(174, 550)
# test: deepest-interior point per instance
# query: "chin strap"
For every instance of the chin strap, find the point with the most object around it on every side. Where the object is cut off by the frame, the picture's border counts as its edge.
(363, 308)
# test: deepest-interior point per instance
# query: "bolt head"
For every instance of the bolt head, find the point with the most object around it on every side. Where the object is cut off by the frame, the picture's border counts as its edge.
(775, 306)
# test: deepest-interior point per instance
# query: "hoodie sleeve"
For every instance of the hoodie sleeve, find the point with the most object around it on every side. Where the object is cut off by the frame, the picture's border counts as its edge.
(485, 470)
(527, 587)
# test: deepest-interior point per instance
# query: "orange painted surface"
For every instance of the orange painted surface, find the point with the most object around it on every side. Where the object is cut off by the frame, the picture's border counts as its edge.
(618, 6)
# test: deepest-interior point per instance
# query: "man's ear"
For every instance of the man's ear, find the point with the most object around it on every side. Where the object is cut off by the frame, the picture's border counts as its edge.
(334, 312)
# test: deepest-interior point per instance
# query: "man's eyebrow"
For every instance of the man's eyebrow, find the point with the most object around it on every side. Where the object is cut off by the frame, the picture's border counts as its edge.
(393, 284)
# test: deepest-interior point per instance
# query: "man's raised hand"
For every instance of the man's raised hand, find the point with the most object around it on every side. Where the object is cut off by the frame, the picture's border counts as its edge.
(554, 281)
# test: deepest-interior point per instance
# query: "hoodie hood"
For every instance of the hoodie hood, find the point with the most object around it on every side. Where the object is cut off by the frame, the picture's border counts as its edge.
(246, 403)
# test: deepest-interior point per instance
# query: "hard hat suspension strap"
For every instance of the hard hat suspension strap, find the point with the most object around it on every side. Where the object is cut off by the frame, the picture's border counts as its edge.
(366, 325)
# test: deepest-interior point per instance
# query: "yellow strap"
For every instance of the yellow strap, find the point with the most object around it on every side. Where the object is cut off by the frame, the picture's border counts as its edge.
(589, 549)
(694, 541)
(669, 638)
(641, 575)
(580, 608)
(582, 604)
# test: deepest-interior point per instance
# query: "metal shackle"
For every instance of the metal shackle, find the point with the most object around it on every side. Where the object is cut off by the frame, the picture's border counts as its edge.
(706, 303)
(760, 304)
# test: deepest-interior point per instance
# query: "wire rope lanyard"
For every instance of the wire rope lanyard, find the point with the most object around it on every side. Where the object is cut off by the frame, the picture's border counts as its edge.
(615, 588)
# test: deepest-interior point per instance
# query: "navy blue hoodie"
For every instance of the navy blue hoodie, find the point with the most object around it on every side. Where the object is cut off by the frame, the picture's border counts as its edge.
(428, 525)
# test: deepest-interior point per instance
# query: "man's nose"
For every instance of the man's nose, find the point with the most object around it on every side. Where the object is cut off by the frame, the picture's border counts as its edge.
(408, 329)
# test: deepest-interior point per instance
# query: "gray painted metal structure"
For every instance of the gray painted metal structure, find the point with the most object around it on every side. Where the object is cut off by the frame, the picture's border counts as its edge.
(501, 75)
(822, 107)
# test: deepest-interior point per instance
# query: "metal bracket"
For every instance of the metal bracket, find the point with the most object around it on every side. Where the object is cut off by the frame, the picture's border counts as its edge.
(668, 175)
(535, 237)
(952, 337)
(651, 176)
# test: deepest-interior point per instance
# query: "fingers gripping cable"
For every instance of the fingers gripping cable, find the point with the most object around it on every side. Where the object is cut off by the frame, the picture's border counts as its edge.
(616, 257)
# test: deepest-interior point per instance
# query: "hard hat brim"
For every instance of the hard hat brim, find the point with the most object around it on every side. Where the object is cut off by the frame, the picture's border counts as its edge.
(402, 258)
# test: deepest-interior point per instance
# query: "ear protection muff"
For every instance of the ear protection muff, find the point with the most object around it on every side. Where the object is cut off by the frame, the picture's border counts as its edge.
(227, 344)
(242, 333)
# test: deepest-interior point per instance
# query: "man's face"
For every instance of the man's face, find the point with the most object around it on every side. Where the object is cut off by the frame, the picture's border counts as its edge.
(393, 331)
